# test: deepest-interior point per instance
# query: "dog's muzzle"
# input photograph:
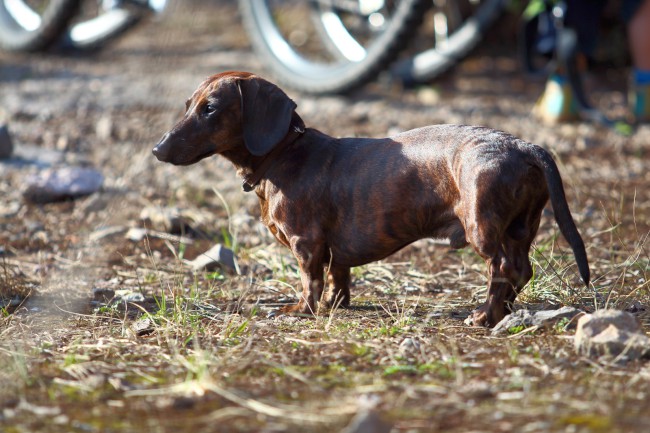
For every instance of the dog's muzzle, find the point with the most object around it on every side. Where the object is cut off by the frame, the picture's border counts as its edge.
(161, 151)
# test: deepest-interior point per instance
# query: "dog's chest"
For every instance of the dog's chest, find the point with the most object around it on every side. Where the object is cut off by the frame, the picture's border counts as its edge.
(273, 224)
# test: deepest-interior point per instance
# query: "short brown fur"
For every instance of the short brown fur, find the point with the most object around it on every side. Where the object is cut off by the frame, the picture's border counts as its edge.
(338, 203)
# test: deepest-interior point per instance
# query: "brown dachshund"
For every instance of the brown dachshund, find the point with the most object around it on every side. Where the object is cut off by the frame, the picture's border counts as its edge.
(338, 203)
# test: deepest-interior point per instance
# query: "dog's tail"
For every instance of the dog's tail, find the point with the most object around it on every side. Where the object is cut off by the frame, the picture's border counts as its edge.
(561, 210)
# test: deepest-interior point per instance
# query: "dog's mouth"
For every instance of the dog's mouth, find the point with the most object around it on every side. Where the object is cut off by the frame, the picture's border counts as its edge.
(171, 152)
(196, 159)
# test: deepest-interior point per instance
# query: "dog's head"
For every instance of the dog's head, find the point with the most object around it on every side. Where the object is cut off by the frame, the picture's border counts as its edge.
(228, 111)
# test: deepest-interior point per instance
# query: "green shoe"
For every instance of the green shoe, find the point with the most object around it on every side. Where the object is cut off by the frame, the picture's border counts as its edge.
(557, 103)
(639, 101)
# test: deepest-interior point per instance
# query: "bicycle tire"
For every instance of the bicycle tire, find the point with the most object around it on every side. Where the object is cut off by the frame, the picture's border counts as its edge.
(26, 30)
(429, 64)
(95, 28)
(94, 33)
(341, 76)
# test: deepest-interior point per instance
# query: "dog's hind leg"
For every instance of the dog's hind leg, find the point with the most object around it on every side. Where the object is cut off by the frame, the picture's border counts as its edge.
(506, 257)
(486, 232)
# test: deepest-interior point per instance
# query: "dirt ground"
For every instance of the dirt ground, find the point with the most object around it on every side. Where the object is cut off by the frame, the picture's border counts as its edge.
(196, 352)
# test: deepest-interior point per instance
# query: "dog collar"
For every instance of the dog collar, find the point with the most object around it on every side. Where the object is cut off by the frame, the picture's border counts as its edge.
(296, 129)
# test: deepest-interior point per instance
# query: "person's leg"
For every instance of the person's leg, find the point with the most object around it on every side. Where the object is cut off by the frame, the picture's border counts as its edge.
(637, 15)
(558, 103)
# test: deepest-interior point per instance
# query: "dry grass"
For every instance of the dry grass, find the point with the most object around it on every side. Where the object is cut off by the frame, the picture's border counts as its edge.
(195, 351)
(15, 287)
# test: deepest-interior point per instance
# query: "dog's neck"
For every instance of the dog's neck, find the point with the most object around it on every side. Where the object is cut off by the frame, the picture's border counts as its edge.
(253, 168)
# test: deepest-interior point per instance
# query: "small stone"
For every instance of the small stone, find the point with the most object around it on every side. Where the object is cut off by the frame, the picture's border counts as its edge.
(9, 209)
(63, 143)
(126, 296)
(428, 95)
(61, 184)
(10, 304)
(167, 219)
(611, 333)
(217, 256)
(104, 128)
(409, 346)
(136, 234)
(526, 318)
(367, 421)
(143, 326)
(477, 390)
(6, 144)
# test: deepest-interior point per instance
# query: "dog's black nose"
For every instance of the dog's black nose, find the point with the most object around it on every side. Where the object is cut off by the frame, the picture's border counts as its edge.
(157, 151)
(161, 150)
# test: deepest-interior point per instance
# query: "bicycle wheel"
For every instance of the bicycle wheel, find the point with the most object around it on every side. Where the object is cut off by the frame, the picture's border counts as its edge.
(329, 46)
(102, 20)
(457, 26)
(32, 25)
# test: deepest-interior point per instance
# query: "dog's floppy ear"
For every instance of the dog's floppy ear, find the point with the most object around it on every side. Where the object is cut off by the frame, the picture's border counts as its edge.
(266, 114)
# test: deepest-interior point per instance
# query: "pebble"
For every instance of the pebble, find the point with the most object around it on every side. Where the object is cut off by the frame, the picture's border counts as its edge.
(54, 185)
(611, 333)
(217, 256)
(166, 219)
(409, 346)
(525, 318)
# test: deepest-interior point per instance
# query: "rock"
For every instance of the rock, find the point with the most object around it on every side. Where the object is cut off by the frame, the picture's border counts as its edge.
(428, 95)
(477, 390)
(60, 184)
(597, 322)
(215, 257)
(409, 346)
(136, 234)
(104, 128)
(6, 144)
(9, 209)
(143, 326)
(526, 318)
(9, 304)
(611, 333)
(367, 421)
(167, 219)
(127, 295)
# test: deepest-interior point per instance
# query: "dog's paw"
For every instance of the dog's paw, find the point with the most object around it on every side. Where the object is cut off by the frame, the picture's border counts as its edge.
(291, 311)
(478, 318)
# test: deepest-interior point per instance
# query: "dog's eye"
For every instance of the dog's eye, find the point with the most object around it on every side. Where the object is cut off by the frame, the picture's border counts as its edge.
(209, 109)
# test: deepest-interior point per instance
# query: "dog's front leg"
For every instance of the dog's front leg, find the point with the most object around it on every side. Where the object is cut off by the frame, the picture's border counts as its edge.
(310, 255)
(495, 307)
(338, 292)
